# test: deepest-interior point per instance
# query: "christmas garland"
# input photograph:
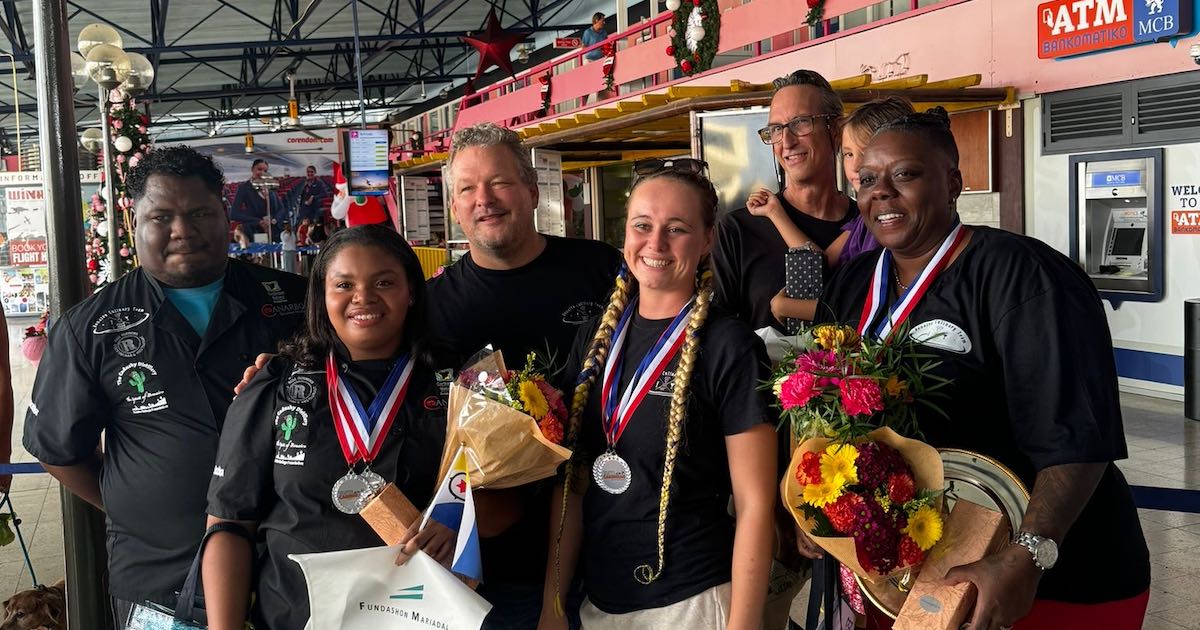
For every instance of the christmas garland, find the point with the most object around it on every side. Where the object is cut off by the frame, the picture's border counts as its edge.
(610, 60)
(816, 13)
(131, 142)
(700, 59)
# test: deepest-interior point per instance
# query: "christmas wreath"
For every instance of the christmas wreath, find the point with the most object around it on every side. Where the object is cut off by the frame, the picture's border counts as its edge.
(694, 34)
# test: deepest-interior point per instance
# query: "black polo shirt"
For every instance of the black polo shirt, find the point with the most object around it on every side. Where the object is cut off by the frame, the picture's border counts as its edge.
(1021, 333)
(537, 307)
(280, 456)
(127, 364)
(620, 531)
(748, 259)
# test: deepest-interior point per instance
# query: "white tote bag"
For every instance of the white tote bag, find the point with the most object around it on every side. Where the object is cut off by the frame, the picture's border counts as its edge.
(363, 589)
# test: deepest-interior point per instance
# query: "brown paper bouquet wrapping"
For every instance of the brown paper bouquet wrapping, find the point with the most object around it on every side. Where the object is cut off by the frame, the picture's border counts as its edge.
(923, 459)
(504, 446)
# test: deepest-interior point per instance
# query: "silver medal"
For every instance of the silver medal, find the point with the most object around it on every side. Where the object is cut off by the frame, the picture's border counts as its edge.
(612, 473)
(349, 493)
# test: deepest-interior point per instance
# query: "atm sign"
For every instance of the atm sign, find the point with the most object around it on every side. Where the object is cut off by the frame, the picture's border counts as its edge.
(1116, 178)
(1073, 27)
(1185, 222)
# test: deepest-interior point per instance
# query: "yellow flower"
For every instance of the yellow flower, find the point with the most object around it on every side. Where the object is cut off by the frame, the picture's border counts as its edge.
(925, 527)
(832, 337)
(837, 464)
(824, 493)
(532, 399)
(895, 387)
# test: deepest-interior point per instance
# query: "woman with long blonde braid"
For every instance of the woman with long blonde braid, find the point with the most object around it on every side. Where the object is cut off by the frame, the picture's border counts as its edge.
(667, 424)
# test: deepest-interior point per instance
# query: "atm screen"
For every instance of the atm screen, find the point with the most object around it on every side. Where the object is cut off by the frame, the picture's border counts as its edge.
(1127, 241)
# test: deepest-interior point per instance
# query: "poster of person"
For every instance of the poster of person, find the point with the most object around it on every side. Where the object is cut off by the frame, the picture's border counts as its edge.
(24, 275)
(288, 156)
(26, 225)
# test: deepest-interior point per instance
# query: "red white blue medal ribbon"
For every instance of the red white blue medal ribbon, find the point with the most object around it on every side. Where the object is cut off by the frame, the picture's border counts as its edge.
(617, 409)
(877, 296)
(361, 431)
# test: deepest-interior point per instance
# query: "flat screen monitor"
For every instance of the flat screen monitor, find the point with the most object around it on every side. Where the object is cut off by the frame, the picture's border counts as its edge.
(1127, 241)
(367, 157)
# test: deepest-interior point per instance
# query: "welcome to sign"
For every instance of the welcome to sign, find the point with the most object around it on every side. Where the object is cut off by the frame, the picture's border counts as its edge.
(1073, 27)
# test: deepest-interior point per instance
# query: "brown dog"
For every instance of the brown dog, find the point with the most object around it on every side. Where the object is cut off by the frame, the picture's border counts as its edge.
(39, 608)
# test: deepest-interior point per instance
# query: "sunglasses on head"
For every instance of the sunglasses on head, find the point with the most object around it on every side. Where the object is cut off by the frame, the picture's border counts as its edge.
(642, 168)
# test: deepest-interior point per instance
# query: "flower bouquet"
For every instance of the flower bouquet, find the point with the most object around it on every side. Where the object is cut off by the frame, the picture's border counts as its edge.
(510, 423)
(866, 495)
(34, 343)
(874, 503)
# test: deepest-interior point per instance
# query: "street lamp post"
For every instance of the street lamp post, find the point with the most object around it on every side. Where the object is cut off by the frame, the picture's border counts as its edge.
(109, 66)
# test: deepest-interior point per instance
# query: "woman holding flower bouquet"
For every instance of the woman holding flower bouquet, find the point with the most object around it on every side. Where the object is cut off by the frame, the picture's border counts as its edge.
(1020, 332)
(668, 424)
(331, 419)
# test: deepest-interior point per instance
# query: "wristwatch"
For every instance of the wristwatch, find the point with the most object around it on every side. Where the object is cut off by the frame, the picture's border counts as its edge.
(1043, 550)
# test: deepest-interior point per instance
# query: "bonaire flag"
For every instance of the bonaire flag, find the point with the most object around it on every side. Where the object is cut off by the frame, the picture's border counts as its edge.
(454, 507)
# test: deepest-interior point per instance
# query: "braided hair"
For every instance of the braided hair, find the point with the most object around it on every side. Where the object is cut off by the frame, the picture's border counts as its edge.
(933, 125)
(598, 355)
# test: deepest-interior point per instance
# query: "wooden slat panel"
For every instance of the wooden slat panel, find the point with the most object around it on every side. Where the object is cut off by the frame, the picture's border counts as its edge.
(689, 91)
(957, 83)
(903, 83)
(852, 83)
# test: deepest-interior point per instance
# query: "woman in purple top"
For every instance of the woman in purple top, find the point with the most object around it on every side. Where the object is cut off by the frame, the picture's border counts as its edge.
(855, 238)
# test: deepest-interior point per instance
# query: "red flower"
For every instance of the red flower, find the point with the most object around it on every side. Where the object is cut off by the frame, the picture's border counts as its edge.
(812, 4)
(809, 470)
(910, 552)
(544, 80)
(552, 429)
(671, 50)
(843, 512)
(900, 488)
(797, 389)
(861, 396)
(695, 3)
(608, 69)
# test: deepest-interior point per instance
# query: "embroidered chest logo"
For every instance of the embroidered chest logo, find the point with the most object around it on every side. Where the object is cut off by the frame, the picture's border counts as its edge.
(300, 390)
(116, 320)
(581, 313)
(943, 335)
(129, 344)
(291, 435)
(138, 386)
(275, 291)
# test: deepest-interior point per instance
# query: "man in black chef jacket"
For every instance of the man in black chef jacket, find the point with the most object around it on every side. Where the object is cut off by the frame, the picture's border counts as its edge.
(149, 363)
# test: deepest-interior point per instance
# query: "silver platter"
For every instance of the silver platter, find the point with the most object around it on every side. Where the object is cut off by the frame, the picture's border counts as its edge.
(976, 478)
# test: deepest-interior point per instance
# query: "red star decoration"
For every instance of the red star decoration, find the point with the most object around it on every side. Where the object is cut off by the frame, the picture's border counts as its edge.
(494, 45)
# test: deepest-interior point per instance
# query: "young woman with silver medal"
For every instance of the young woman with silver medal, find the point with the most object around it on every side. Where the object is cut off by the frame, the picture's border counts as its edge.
(668, 420)
(301, 454)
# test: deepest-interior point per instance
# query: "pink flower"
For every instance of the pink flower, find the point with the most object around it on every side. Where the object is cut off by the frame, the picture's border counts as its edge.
(818, 362)
(797, 389)
(117, 124)
(861, 396)
(141, 128)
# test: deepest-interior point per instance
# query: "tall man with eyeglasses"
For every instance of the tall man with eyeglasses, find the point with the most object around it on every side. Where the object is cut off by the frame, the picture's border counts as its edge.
(804, 132)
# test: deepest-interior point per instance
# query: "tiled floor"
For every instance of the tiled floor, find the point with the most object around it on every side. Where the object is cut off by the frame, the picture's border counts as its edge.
(1164, 451)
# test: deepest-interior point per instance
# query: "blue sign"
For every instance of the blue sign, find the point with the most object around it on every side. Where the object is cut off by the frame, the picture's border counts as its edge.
(1160, 19)
(1109, 179)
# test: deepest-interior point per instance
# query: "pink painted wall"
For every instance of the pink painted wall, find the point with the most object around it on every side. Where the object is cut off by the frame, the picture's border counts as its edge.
(996, 38)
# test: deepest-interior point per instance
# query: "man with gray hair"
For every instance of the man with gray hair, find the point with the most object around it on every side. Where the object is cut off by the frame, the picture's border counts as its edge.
(521, 292)
(804, 131)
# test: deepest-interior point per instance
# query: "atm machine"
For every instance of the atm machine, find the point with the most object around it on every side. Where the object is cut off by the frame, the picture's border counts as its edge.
(1117, 221)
